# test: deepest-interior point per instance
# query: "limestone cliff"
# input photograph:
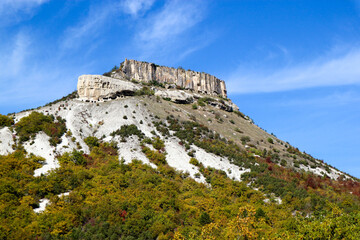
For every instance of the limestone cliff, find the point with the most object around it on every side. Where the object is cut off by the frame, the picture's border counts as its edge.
(191, 80)
(116, 84)
(98, 87)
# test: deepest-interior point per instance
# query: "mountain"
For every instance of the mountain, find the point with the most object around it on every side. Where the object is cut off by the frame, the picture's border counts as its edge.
(152, 152)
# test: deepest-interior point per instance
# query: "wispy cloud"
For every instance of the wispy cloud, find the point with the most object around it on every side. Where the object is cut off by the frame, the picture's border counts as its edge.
(169, 29)
(13, 57)
(159, 33)
(90, 27)
(26, 77)
(136, 7)
(19, 5)
(330, 70)
(15, 10)
(175, 18)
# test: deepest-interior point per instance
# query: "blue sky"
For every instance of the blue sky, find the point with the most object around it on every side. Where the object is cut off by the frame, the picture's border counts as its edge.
(293, 66)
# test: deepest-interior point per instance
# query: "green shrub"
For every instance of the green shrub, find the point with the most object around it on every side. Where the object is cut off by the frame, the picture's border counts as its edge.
(29, 126)
(156, 83)
(146, 141)
(144, 91)
(75, 157)
(270, 140)
(191, 153)
(296, 164)
(283, 163)
(240, 114)
(6, 121)
(194, 161)
(70, 96)
(238, 130)
(260, 213)
(134, 81)
(205, 100)
(91, 141)
(127, 131)
(205, 219)
(158, 143)
(245, 139)
(194, 106)
(154, 156)
(201, 103)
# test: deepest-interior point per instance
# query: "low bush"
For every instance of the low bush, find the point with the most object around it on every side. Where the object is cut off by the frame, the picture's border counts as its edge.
(91, 141)
(154, 156)
(194, 161)
(29, 126)
(245, 139)
(144, 91)
(240, 114)
(6, 121)
(127, 131)
(158, 143)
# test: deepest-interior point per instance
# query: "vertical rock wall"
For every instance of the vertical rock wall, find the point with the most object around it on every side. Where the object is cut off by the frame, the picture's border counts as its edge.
(196, 81)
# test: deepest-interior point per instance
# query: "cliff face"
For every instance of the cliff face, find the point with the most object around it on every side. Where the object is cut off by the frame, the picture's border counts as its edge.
(97, 87)
(191, 80)
(94, 88)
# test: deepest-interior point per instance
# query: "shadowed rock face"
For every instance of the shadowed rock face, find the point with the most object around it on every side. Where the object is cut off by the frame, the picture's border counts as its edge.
(191, 80)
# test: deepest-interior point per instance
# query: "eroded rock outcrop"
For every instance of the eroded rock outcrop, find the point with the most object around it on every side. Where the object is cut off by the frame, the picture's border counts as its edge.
(190, 80)
(102, 88)
(98, 87)
(176, 96)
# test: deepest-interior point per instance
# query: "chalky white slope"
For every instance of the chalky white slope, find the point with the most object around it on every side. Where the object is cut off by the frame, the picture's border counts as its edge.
(6, 141)
(85, 119)
(100, 119)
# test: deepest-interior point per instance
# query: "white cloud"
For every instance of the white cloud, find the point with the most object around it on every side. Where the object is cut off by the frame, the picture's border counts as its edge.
(135, 7)
(27, 76)
(331, 70)
(170, 32)
(12, 59)
(175, 18)
(15, 10)
(89, 27)
(17, 5)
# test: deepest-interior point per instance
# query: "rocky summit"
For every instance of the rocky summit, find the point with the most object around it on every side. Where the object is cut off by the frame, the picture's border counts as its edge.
(197, 82)
(178, 85)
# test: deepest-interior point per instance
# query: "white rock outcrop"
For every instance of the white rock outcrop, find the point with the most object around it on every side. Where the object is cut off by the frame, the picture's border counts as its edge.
(198, 82)
(98, 87)
(177, 96)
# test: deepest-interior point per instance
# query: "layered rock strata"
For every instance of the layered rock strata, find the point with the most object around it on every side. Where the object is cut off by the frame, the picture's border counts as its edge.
(190, 80)
(101, 88)
(98, 87)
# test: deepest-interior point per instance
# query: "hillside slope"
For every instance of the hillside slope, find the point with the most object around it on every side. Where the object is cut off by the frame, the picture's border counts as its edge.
(100, 119)
(189, 170)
